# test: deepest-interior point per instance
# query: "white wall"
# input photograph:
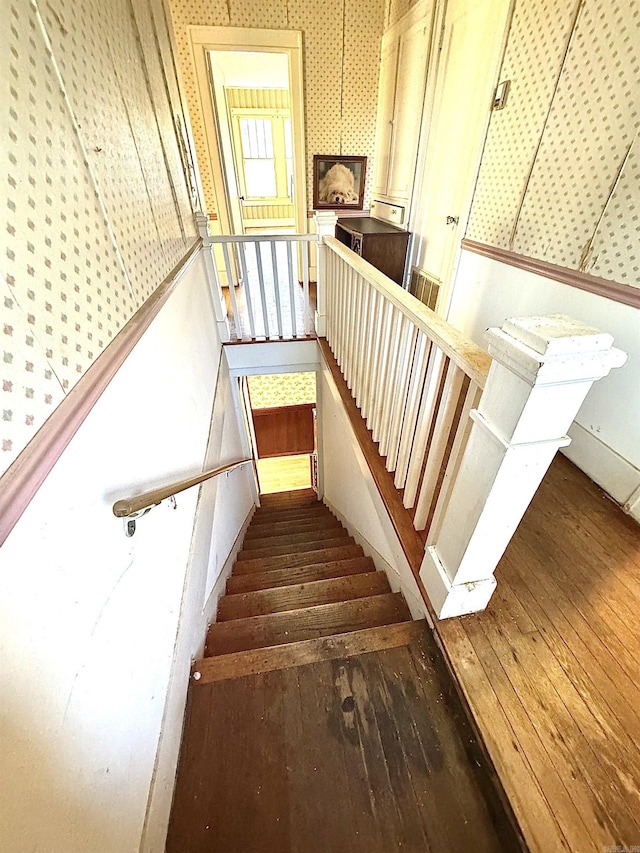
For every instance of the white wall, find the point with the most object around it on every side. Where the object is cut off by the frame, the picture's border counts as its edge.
(606, 432)
(350, 491)
(89, 618)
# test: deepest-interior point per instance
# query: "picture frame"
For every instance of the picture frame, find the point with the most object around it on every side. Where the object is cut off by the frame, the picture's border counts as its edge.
(338, 182)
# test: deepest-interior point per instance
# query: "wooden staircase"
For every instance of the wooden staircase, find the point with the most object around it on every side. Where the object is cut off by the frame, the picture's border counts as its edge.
(322, 718)
(301, 590)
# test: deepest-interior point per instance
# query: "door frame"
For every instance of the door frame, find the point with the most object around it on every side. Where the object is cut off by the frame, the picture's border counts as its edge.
(205, 39)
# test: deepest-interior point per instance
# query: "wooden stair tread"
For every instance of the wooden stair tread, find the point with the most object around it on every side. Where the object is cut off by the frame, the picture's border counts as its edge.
(274, 578)
(299, 547)
(284, 598)
(296, 496)
(326, 553)
(260, 530)
(301, 652)
(312, 511)
(276, 628)
(294, 539)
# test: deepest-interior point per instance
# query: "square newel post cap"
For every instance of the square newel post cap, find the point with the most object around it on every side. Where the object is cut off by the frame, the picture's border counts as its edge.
(202, 223)
(325, 222)
(553, 349)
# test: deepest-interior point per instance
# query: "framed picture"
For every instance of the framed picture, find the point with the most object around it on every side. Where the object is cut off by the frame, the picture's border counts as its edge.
(338, 182)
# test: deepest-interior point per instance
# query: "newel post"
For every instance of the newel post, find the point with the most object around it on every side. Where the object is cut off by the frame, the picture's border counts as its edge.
(325, 227)
(220, 311)
(543, 368)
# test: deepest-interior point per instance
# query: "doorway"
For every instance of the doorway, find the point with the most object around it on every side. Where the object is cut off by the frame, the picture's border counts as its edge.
(250, 86)
(283, 412)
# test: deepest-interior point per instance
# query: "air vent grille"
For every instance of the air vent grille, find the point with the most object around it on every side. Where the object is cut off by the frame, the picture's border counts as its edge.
(424, 287)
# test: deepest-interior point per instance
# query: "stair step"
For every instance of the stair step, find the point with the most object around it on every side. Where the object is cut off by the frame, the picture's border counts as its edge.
(258, 530)
(324, 554)
(293, 540)
(274, 629)
(297, 596)
(254, 661)
(283, 550)
(275, 578)
(262, 516)
(296, 497)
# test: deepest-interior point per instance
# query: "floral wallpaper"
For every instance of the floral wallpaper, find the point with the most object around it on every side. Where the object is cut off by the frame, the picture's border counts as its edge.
(560, 173)
(341, 43)
(282, 389)
(96, 208)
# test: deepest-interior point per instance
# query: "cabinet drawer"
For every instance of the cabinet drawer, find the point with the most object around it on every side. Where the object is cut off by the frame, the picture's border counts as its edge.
(386, 212)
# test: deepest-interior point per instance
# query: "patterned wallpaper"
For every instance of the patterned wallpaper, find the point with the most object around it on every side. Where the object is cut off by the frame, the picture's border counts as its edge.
(282, 389)
(96, 206)
(559, 179)
(341, 43)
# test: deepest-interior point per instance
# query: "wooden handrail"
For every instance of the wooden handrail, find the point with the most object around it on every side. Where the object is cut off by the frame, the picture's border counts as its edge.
(130, 506)
(469, 357)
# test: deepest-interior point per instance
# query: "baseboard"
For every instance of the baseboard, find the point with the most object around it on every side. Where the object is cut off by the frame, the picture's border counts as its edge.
(616, 475)
(409, 588)
(210, 609)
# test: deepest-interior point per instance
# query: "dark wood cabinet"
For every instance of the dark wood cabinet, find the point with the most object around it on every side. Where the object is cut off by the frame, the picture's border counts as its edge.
(380, 243)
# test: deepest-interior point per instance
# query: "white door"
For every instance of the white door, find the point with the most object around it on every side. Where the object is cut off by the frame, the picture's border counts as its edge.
(411, 78)
(384, 121)
(466, 77)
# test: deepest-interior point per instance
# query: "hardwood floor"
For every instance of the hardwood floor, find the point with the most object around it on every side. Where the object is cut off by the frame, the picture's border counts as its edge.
(366, 754)
(282, 473)
(551, 670)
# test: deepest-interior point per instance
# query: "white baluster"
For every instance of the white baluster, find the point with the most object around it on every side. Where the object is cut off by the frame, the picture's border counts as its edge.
(263, 297)
(292, 291)
(276, 287)
(247, 288)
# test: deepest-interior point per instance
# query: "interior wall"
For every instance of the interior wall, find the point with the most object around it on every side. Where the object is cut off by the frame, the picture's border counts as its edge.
(341, 44)
(224, 509)
(350, 491)
(96, 203)
(560, 174)
(89, 618)
(606, 432)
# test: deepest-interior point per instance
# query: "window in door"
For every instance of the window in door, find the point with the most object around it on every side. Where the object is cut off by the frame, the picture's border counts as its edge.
(266, 155)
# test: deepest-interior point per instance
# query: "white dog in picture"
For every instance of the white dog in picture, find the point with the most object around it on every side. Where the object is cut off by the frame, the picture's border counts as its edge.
(338, 186)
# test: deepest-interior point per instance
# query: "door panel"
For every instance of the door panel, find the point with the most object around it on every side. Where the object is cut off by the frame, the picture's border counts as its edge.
(284, 431)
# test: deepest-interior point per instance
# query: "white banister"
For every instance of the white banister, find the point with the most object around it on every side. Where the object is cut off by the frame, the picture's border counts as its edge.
(202, 224)
(543, 368)
(468, 461)
(261, 295)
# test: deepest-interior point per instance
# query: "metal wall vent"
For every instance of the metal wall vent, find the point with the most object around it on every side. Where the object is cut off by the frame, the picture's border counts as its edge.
(424, 287)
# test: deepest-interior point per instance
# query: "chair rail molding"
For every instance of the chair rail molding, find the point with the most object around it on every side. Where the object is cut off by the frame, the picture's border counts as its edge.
(542, 369)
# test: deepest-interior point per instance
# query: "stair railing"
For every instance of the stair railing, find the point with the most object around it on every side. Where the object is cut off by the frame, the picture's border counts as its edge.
(263, 283)
(467, 434)
(414, 377)
(138, 505)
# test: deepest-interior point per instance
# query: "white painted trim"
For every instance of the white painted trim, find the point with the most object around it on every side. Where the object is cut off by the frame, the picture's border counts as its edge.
(448, 599)
(411, 592)
(632, 506)
(272, 357)
(204, 39)
(612, 472)
(210, 609)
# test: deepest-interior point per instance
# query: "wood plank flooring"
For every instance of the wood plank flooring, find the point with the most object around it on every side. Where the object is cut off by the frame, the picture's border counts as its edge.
(551, 670)
(362, 754)
(281, 473)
